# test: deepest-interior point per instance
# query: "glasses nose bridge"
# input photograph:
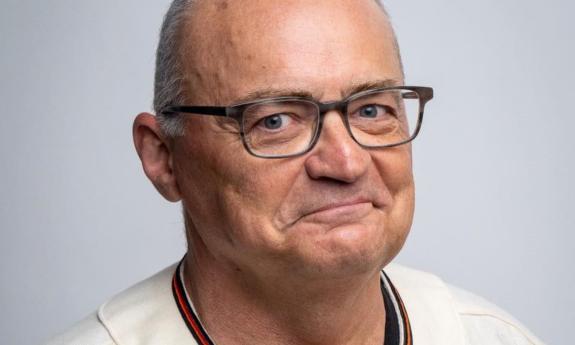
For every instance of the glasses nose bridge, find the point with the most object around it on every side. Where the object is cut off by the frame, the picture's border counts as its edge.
(339, 106)
(324, 108)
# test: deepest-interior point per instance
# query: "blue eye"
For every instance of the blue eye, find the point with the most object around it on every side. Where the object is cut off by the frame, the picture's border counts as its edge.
(276, 122)
(273, 122)
(369, 111)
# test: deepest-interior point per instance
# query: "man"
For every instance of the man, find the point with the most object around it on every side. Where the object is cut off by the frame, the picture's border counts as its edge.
(284, 128)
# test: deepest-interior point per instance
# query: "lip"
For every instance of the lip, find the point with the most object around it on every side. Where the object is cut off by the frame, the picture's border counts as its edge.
(340, 212)
(341, 205)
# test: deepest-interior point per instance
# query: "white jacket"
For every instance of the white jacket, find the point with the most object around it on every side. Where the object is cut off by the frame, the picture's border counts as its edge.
(146, 314)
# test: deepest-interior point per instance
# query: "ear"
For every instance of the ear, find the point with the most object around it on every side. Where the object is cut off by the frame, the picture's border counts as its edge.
(154, 152)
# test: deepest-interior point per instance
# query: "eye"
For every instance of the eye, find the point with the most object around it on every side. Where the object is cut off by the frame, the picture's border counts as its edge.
(275, 121)
(372, 111)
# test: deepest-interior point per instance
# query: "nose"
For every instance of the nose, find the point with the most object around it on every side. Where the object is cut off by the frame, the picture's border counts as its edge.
(336, 155)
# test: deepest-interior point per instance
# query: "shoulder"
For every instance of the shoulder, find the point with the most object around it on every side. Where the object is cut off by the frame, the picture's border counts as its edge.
(454, 313)
(142, 314)
(486, 323)
(89, 331)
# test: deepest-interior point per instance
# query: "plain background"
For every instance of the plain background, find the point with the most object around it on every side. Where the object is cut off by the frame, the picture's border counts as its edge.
(494, 164)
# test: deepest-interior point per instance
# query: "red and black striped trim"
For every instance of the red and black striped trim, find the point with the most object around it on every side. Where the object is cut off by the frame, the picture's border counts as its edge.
(392, 323)
(186, 310)
(407, 333)
(397, 321)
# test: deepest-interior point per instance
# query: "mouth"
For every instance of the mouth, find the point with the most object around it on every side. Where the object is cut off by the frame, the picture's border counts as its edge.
(342, 205)
(340, 212)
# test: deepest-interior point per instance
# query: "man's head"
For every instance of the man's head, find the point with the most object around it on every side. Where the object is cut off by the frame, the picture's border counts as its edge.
(339, 209)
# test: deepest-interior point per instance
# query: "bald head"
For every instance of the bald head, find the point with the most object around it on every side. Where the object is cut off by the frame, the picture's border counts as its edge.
(203, 42)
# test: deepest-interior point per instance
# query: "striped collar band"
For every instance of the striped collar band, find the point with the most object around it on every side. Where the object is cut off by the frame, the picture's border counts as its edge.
(397, 326)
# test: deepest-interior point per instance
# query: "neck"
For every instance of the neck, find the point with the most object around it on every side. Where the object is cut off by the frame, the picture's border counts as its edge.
(238, 307)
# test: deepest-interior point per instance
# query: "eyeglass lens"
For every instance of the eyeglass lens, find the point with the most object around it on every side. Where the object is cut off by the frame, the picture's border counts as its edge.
(288, 127)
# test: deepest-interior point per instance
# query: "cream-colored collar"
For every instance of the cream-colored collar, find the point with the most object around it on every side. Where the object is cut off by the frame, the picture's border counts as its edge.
(147, 314)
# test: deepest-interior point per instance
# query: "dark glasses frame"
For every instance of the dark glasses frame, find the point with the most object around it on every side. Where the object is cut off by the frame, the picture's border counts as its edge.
(236, 112)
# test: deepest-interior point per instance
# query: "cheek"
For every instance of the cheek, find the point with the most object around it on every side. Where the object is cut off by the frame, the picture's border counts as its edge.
(395, 170)
(230, 195)
(394, 166)
(255, 201)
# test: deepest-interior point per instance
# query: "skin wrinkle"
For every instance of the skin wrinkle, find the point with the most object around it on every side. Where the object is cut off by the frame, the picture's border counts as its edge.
(234, 35)
(171, 84)
(239, 208)
(226, 65)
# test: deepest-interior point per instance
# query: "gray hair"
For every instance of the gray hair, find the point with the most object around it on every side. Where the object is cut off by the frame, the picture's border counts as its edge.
(169, 78)
(169, 81)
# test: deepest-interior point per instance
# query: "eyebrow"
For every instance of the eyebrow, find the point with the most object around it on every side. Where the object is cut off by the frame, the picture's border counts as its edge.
(273, 93)
(301, 93)
(369, 85)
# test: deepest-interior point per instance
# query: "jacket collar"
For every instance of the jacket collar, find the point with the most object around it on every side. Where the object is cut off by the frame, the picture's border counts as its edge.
(148, 314)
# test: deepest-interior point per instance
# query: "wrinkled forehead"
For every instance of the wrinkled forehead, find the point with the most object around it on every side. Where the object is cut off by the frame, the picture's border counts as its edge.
(232, 47)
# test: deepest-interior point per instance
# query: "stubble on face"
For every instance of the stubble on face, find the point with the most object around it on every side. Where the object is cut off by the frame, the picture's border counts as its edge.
(252, 212)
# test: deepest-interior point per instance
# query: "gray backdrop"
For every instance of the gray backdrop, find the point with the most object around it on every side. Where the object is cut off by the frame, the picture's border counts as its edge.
(494, 163)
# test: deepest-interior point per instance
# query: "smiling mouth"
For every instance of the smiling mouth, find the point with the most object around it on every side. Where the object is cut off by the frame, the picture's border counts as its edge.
(342, 206)
(342, 212)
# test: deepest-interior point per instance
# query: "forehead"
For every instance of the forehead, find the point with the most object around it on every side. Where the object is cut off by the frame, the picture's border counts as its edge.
(233, 48)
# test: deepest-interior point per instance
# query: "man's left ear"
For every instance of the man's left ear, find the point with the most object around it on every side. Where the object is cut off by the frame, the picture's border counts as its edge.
(155, 155)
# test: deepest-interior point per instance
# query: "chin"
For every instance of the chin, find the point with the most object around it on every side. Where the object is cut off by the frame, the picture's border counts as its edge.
(345, 251)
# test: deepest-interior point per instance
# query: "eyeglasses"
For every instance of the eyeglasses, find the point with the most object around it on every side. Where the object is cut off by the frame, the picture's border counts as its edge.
(290, 126)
